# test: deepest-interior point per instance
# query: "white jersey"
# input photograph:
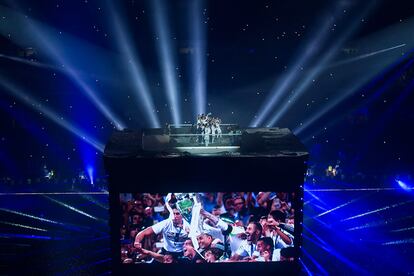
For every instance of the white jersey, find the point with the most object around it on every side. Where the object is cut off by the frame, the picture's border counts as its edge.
(218, 129)
(246, 249)
(173, 236)
(279, 243)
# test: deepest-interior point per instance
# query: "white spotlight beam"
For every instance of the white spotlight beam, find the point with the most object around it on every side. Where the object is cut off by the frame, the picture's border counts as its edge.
(339, 206)
(23, 226)
(72, 208)
(199, 71)
(46, 39)
(379, 223)
(166, 59)
(350, 60)
(369, 100)
(95, 100)
(30, 62)
(285, 82)
(142, 92)
(405, 33)
(406, 241)
(379, 210)
(53, 116)
(30, 216)
(321, 66)
(345, 93)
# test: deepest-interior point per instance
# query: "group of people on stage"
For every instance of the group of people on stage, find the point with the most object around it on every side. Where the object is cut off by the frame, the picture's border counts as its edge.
(235, 227)
(208, 128)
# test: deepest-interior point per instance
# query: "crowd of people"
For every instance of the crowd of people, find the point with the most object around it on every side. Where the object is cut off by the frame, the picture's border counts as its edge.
(232, 227)
(208, 128)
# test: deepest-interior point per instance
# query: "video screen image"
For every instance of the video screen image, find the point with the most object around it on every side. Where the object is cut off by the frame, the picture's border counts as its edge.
(207, 227)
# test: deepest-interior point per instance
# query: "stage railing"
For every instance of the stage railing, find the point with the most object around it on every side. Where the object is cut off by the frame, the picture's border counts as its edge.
(210, 140)
(186, 135)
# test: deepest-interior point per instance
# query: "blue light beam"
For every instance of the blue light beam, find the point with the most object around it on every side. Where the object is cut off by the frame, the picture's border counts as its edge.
(403, 185)
(72, 208)
(379, 210)
(53, 116)
(45, 38)
(90, 171)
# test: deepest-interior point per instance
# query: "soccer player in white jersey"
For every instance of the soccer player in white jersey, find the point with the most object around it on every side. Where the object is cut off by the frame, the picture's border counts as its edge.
(174, 232)
(281, 238)
(207, 132)
(213, 129)
(248, 246)
(218, 128)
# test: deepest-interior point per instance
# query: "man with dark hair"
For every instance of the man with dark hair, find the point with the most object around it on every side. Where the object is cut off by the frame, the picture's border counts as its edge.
(227, 210)
(248, 246)
(281, 238)
(189, 252)
(204, 242)
(264, 249)
(240, 209)
(174, 231)
(214, 253)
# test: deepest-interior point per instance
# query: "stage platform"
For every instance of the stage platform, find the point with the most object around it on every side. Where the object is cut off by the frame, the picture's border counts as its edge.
(176, 141)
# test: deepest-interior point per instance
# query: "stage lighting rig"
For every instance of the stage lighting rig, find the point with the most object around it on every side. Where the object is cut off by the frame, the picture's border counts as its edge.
(28, 53)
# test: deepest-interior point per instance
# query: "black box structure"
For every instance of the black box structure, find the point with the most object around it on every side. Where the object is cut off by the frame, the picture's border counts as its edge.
(174, 160)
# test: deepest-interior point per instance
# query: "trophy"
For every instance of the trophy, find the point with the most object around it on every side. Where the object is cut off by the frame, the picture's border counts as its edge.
(185, 204)
(189, 205)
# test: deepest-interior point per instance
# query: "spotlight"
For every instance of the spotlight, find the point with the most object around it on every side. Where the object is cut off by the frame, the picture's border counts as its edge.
(45, 38)
(405, 241)
(136, 71)
(403, 185)
(166, 59)
(50, 174)
(71, 208)
(30, 216)
(199, 71)
(381, 67)
(31, 62)
(32, 103)
(23, 226)
(343, 62)
(90, 174)
(340, 206)
(357, 85)
(372, 98)
(30, 237)
(379, 210)
(282, 85)
(316, 70)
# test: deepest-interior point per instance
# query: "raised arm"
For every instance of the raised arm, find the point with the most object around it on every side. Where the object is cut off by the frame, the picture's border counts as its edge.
(141, 235)
(263, 198)
(285, 238)
(209, 216)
